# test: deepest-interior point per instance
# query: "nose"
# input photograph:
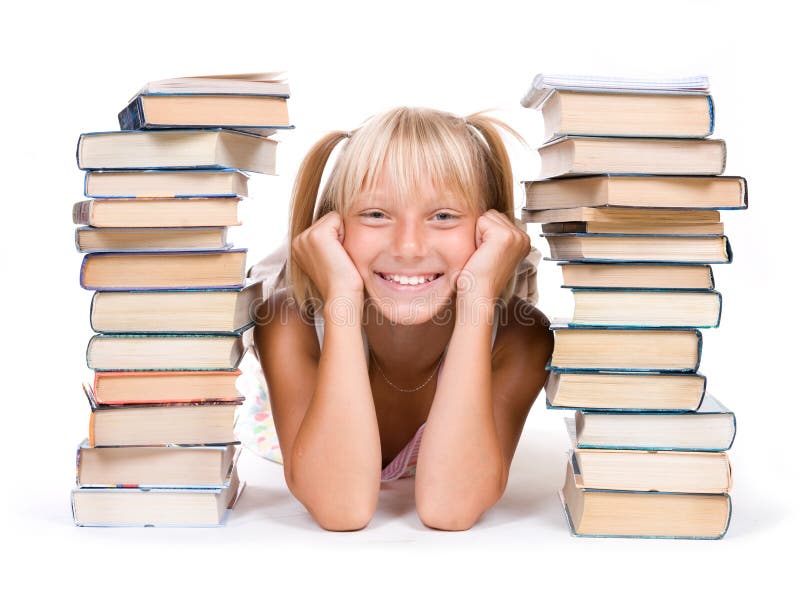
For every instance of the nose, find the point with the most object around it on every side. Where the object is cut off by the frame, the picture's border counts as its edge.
(409, 240)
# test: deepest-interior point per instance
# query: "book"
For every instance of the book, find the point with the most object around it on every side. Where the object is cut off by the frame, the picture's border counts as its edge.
(621, 215)
(171, 311)
(142, 387)
(544, 84)
(655, 308)
(119, 271)
(613, 349)
(592, 512)
(639, 192)
(635, 228)
(149, 111)
(605, 113)
(712, 428)
(669, 249)
(165, 183)
(155, 466)
(149, 239)
(176, 149)
(637, 276)
(157, 212)
(590, 155)
(161, 423)
(155, 507)
(606, 390)
(252, 83)
(168, 352)
(665, 471)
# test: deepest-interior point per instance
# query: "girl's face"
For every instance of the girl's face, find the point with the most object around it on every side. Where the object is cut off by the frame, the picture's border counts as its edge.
(409, 255)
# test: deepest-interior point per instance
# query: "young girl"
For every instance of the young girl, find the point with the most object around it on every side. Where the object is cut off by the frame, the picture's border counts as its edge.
(401, 339)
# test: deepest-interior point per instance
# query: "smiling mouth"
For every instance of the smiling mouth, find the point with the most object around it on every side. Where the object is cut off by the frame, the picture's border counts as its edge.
(410, 280)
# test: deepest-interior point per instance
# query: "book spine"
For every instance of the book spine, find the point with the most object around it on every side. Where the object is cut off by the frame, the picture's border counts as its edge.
(82, 274)
(699, 350)
(91, 324)
(711, 277)
(86, 184)
(744, 192)
(78, 151)
(82, 212)
(735, 428)
(91, 429)
(711, 115)
(728, 250)
(132, 117)
(719, 314)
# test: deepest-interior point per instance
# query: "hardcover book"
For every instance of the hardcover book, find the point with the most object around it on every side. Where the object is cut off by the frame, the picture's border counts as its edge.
(665, 471)
(156, 467)
(174, 311)
(253, 113)
(625, 391)
(164, 352)
(625, 349)
(165, 183)
(176, 149)
(116, 388)
(89, 240)
(162, 424)
(619, 215)
(711, 428)
(637, 276)
(648, 308)
(605, 113)
(120, 271)
(157, 212)
(590, 155)
(667, 249)
(155, 507)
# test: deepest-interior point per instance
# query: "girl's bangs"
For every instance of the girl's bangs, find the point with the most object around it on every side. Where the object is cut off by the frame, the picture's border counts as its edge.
(411, 152)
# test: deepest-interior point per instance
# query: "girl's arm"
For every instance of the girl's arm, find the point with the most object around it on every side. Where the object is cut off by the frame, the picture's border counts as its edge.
(323, 411)
(482, 401)
(482, 398)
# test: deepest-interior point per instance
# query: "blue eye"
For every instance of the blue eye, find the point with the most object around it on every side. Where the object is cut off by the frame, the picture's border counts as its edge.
(445, 214)
(373, 214)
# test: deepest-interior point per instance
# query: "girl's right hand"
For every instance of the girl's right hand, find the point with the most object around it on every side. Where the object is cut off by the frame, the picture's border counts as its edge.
(319, 252)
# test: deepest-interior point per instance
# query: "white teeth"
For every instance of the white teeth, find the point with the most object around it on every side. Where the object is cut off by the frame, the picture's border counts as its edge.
(409, 280)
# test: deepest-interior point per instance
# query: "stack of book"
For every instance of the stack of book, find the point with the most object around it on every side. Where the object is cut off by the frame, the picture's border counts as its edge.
(171, 301)
(629, 201)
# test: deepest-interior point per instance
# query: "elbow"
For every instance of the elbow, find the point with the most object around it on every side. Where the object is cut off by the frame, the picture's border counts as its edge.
(442, 515)
(335, 514)
(342, 519)
(447, 518)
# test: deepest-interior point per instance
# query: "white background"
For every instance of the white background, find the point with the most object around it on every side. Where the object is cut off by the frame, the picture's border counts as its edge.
(70, 67)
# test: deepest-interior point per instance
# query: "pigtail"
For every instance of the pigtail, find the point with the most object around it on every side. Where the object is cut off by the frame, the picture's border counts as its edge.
(302, 215)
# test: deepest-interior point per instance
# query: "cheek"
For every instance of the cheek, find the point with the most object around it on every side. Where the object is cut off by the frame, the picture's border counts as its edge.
(459, 248)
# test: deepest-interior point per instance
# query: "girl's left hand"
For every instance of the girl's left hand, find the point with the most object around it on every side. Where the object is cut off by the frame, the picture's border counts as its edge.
(501, 246)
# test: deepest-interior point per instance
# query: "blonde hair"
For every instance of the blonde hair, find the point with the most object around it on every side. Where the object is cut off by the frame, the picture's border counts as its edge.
(465, 156)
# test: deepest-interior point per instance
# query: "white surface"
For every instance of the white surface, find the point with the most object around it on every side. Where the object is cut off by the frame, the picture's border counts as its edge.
(70, 67)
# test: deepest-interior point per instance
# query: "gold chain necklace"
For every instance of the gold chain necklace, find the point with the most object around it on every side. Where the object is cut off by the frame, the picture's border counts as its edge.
(399, 389)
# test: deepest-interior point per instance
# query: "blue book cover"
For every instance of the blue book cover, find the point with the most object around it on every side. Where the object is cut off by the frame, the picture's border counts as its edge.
(554, 380)
(156, 362)
(648, 320)
(697, 431)
(558, 325)
(165, 253)
(621, 265)
(725, 258)
(221, 449)
(90, 174)
(139, 507)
